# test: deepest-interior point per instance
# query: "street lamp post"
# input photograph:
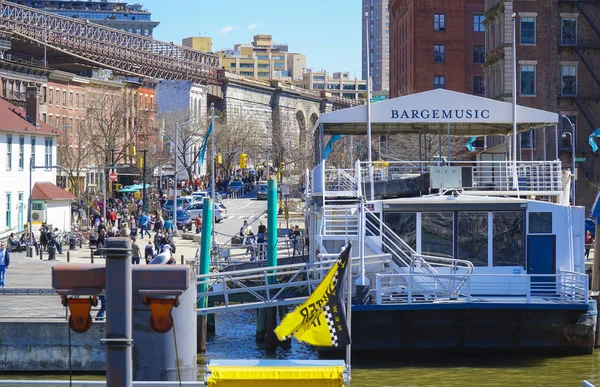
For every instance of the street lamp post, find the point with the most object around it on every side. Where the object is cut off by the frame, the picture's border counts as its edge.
(104, 169)
(368, 102)
(573, 137)
(177, 125)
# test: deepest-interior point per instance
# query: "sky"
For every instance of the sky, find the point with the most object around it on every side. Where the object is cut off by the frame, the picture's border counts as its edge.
(327, 31)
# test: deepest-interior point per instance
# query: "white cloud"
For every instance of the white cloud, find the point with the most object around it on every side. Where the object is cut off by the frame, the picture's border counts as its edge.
(254, 25)
(227, 29)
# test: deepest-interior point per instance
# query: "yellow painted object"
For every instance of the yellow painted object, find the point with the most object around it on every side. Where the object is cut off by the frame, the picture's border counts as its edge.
(272, 373)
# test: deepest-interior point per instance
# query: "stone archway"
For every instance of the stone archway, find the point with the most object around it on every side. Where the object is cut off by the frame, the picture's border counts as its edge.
(302, 139)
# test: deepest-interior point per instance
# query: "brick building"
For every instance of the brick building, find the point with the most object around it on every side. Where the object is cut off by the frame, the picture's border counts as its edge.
(436, 44)
(557, 70)
(73, 103)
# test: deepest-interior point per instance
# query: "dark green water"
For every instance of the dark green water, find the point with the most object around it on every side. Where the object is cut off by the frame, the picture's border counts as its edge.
(234, 339)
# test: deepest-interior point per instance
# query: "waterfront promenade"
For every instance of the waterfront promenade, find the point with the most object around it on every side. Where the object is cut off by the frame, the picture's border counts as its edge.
(33, 273)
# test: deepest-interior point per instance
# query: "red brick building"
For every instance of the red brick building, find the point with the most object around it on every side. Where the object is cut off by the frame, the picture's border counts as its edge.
(557, 69)
(436, 44)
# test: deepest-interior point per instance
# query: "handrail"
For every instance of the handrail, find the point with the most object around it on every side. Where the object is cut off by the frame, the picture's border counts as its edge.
(488, 176)
(571, 288)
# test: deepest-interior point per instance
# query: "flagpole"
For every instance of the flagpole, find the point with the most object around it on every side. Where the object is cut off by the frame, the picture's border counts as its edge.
(349, 314)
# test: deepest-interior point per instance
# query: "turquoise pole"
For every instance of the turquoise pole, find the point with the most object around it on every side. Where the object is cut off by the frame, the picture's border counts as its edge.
(205, 245)
(272, 224)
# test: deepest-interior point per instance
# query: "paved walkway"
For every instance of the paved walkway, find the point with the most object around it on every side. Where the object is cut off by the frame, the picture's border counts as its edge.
(33, 273)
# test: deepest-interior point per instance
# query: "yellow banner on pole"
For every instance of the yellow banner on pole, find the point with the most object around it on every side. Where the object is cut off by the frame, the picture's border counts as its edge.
(321, 320)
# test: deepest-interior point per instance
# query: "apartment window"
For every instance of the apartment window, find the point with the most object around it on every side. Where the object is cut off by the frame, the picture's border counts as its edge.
(64, 96)
(478, 23)
(33, 149)
(57, 97)
(568, 80)
(77, 101)
(439, 82)
(83, 101)
(8, 209)
(9, 152)
(71, 100)
(151, 103)
(439, 54)
(527, 79)
(43, 117)
(568, 31)
(527, 30)
(478, 54)
(48, 152)
(439, 22)
(51, 97)
(57, 124)
(478, 86)
(232, 64)
(21, 153)
(44, 94)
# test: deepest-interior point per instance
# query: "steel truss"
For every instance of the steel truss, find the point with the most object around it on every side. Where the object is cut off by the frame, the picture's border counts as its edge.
(108, 47)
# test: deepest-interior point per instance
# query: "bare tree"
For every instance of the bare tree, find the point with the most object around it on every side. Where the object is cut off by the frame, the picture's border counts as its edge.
(190, 138)
(236, 134)
(74, 151)
(111, 116)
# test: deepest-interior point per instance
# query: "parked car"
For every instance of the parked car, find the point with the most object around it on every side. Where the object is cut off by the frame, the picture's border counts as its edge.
(220, 211)
(590, 225)
(261, 193)
(182, 202)
(184, 219)
(199, 196)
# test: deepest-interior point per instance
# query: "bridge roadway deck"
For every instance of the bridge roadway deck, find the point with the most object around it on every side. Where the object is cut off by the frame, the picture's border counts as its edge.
(31, 273)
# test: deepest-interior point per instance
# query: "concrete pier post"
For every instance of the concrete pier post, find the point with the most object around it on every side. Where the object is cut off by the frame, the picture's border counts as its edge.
(118, 341)
(204, 267)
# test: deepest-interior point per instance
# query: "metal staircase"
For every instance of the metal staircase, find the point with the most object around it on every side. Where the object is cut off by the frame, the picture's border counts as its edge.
(108, 47)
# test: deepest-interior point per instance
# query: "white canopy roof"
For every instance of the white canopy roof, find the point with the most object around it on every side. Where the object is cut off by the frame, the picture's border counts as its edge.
(468, 115)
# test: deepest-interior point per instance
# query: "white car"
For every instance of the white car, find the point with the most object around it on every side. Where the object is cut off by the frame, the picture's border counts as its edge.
(195, 209)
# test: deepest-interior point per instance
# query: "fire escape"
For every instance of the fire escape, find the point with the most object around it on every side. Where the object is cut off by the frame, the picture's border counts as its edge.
(106, 47)
(587, 53)
(570, 39)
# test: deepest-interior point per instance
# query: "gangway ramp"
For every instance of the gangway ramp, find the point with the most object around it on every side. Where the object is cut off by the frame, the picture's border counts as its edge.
(274, 286)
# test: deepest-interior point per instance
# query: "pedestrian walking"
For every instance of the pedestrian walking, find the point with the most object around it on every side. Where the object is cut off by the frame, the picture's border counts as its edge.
(148, 252)
(135, 253)
(589, 240)
(4, 264)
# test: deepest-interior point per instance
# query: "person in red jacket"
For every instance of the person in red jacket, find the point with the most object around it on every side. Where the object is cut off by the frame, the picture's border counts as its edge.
(112, 217)
(198, 222)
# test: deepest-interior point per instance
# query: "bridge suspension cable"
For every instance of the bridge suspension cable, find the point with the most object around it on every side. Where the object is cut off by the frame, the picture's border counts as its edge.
(108, 47)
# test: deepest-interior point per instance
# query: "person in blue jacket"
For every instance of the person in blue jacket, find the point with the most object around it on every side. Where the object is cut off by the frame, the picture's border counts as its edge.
(4, 263)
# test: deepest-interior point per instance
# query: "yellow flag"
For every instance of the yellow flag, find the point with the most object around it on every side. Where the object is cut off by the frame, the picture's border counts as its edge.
(321, 320)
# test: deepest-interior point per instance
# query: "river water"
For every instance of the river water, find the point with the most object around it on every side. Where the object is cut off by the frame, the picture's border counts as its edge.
(234, 339)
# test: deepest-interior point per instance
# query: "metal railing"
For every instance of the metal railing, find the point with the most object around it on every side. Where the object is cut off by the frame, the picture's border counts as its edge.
(541, 177)
(564, 288)
(339, 180)
(108, 47)
(534, 176)
(340, 221)
(275, 285)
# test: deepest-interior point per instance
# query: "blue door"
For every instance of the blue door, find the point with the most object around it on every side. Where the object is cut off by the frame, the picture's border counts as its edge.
(541, 259)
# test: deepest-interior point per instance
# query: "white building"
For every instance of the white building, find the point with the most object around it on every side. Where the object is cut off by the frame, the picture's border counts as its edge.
(182, 101)
(20, 141)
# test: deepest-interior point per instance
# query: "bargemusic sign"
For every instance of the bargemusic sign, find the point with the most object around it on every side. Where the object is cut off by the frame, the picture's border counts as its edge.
(452, 114)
